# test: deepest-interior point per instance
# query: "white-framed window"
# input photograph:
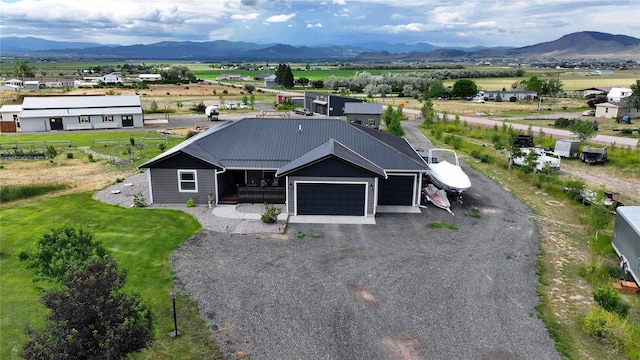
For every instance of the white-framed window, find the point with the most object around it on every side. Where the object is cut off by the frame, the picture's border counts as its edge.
(85, 119)
(187, 181)
(107, 118)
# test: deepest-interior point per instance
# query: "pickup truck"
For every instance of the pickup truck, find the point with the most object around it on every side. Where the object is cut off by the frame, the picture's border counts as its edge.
(544, 158)
(302, 111)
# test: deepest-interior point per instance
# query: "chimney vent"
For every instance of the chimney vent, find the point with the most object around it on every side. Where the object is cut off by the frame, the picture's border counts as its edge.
(300, 128)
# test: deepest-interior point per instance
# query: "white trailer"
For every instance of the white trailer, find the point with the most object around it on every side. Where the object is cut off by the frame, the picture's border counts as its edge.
(626, 239)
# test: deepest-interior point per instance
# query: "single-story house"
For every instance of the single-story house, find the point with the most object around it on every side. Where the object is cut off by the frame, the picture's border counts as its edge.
(9, 115)
(327, 104)
(595, 91)
(314, 166)
(367, 114)
(150, 77)
(33, 85)
(521, 95)
(616, 110)
(14, 82)
(47, 113)
(113, 78)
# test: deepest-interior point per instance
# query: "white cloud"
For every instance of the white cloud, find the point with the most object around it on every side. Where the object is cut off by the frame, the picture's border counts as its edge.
(280, 18)
(397, 17)
(412, 27)
(339, 2)
(309, 26)
(245, 17)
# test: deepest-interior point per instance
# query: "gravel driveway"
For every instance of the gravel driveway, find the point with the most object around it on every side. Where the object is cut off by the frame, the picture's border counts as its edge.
(395, 290)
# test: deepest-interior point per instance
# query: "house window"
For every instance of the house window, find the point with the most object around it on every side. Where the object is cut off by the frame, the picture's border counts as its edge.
(606, 110)
(85, 119)
(187, 181)
(107, 118)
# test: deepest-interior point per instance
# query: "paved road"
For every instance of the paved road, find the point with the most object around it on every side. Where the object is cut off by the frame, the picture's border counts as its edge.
(558, 133)
(395, 290)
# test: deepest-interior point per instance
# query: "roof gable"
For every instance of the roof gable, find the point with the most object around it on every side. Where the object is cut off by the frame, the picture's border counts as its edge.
(329, 149)
(274, 143)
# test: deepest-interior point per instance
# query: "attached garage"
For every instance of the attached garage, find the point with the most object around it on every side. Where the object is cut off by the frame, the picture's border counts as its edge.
(396, 190)
(331, 199)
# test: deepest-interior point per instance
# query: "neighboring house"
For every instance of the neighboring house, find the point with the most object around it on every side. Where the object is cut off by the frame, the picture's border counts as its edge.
(270, 81)
(611, 111)
(314, 166)
(367, 114)
(149, 77)
(113, 78)
(13, 88)
(595, 91)
(520, 95)
(236, 77)
(57, 83)
(13, 82)
(48, 113)
(326, 104)
(9, 116)
(616, 94)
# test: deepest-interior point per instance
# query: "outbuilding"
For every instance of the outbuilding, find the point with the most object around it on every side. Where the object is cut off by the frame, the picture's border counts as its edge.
(51, 113)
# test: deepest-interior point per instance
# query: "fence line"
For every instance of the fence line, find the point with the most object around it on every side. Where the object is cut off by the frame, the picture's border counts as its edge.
(127, 141)
(34, 143)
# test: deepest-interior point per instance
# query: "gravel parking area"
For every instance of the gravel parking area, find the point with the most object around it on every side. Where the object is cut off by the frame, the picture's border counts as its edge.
(401, 289)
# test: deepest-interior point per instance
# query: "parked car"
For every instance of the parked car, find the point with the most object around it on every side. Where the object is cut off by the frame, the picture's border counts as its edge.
(303, 111)
(544, 160)
(589, 113)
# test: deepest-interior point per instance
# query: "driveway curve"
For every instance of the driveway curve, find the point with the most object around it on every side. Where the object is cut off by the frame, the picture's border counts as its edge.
(400, 289)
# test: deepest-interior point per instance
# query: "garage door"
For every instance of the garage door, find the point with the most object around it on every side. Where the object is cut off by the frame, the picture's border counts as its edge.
(330, 199)
(396, 190)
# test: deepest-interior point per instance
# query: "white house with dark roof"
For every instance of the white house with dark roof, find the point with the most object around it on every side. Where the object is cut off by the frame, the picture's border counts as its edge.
(313, 166)
(616, 94)
(51, 113)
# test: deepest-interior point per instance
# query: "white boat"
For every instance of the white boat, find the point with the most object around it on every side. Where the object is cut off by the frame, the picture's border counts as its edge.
(445, 172)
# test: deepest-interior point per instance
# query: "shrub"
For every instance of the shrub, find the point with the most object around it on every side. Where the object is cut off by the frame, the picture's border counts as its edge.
(597, 323)
(162, 147)
(90, 157)
(482, 156)
(138, 201)
(610, 300)
(190, 203)
(513, 99)
(69, 155)
(270, 214)
(188, 134)
(51, 152)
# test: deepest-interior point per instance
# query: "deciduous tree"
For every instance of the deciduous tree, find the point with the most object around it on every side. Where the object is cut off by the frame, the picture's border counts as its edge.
(464, 88)
(91, 317)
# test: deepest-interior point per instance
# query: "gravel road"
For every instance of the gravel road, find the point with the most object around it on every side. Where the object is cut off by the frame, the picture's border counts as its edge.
(395, 290)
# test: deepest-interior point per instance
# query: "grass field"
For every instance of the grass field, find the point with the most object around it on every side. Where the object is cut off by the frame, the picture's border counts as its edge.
(135, 239)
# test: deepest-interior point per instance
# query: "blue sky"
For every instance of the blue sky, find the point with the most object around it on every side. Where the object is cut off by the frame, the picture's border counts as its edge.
(444, 23)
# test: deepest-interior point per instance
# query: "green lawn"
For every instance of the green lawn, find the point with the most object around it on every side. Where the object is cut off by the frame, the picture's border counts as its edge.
(142, 240)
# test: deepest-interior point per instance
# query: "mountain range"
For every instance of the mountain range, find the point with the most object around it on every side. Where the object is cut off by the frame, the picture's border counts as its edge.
(583, 45)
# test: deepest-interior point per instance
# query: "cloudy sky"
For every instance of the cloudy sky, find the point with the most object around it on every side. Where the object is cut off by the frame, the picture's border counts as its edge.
(442, 23)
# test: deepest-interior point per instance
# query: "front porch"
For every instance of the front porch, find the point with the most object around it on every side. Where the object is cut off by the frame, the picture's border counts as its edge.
(235, 194)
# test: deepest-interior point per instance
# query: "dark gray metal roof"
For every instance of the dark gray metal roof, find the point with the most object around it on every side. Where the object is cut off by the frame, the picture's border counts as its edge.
(273, 143)
(363, 108)
(328, 149)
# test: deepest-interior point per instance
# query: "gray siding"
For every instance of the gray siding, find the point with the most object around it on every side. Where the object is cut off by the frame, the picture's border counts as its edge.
(164, 186)
(370, 189)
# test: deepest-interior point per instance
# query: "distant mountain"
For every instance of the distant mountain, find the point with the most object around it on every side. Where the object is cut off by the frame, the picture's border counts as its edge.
(37, 44)
(585, 44)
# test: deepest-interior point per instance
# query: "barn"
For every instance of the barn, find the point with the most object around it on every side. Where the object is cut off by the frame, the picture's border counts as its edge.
(53, 113)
